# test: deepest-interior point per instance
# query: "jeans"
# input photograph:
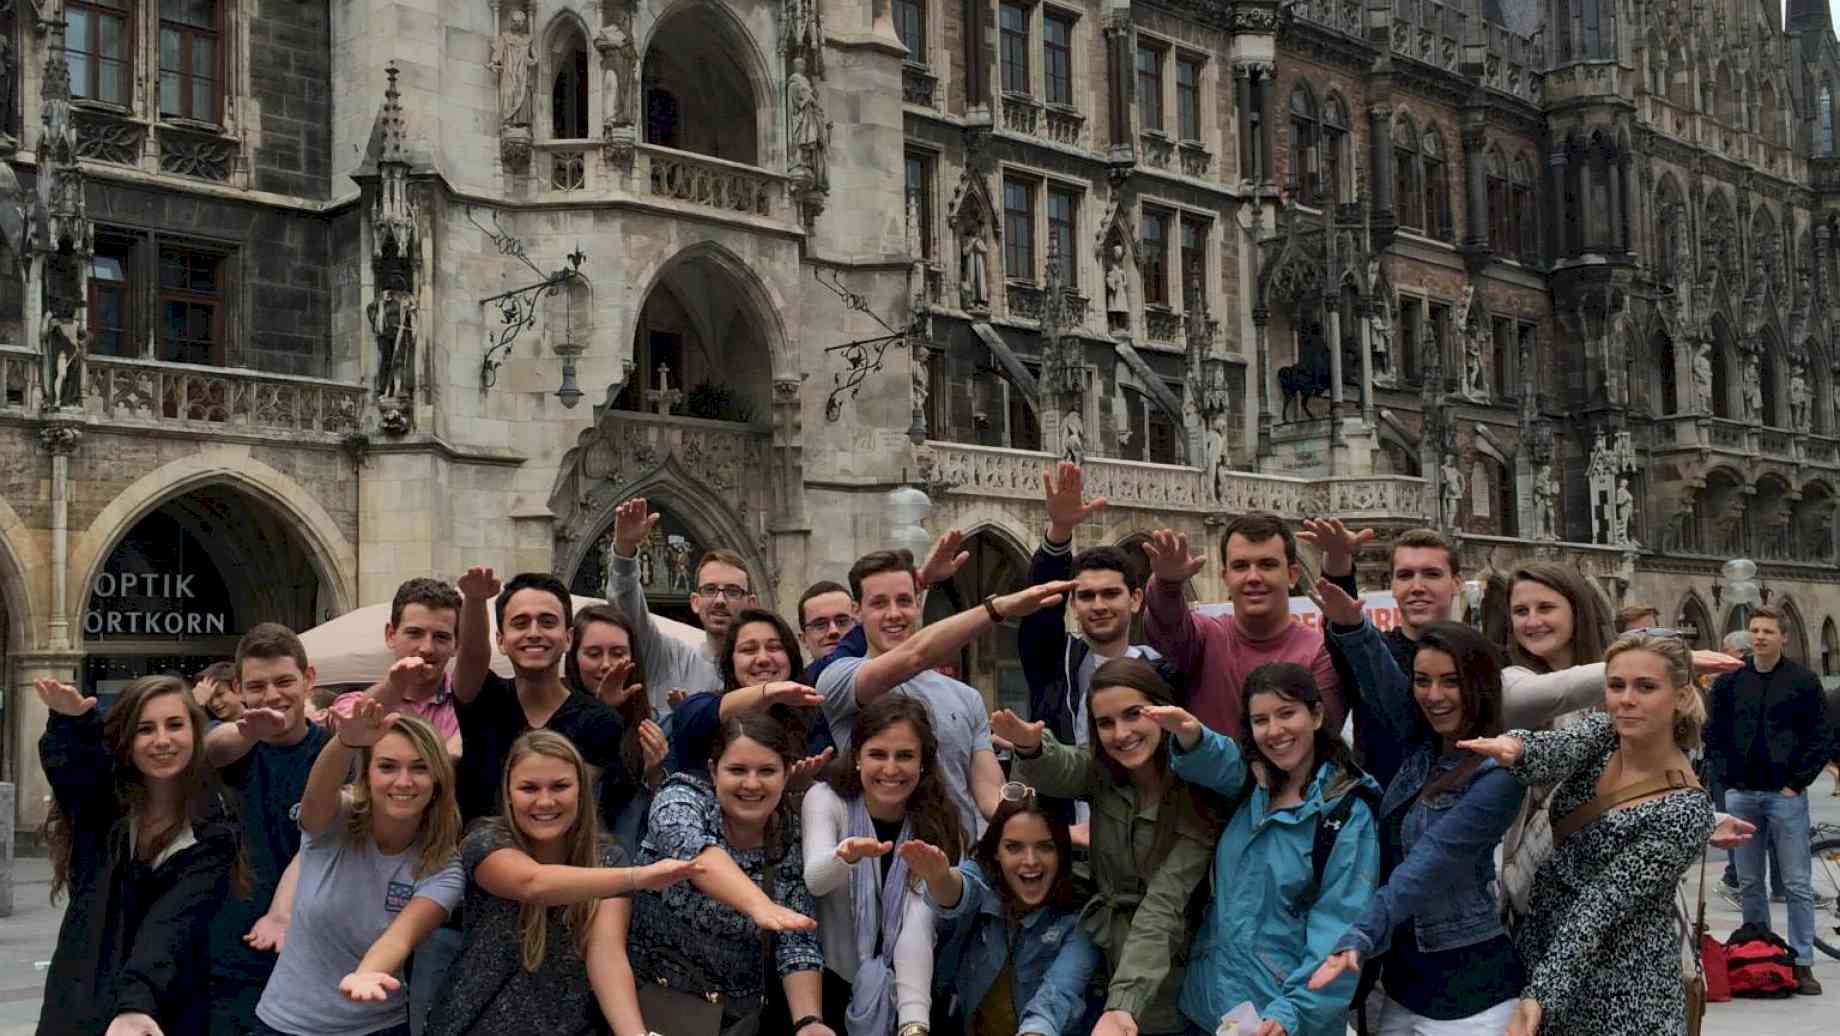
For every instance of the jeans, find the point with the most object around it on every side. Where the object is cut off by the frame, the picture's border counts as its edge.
(1390, 1019)
(427, 969)
(1782, 828)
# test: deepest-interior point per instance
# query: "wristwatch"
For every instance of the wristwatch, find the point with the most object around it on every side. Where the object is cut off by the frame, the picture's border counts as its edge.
(914, 1029)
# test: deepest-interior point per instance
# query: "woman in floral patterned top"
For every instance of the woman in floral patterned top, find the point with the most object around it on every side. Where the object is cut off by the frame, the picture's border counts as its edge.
(712, 934)
(1601, 945)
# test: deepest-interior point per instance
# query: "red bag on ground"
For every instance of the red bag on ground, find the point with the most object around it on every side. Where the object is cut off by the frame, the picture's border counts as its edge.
(1712, 963)
(1758, 963)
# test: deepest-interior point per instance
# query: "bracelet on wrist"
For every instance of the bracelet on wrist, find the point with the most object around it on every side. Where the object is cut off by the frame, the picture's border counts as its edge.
(799, 1024)
(348, 745)
(990, 607)
(914, 1029)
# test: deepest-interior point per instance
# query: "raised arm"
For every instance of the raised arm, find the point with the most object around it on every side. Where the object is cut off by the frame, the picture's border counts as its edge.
(940, 642)
(269, 933)
(1041, 761)
(1380, 684)
(1172, 628)
(1214, 763)
(473, 641)
(1534, 701)
(75, 761)
(633, 521)
(1042, 638)
(374, 979)
(1060, 1001)
(679, 829)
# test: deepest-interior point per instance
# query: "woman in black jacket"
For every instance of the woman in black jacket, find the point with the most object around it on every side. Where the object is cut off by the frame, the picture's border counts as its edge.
(142, 839)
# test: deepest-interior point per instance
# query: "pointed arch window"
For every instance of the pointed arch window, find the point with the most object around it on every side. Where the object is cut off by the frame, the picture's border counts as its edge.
(568, 95)
(1306, 175)
(1437, 187)
(1499, 206)
(1335, 164)
(1772, 119)
(1824, 121)
(1406, 195)
(1523, 221)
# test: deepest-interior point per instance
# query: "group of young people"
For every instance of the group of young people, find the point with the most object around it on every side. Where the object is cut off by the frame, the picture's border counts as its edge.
(633, 834)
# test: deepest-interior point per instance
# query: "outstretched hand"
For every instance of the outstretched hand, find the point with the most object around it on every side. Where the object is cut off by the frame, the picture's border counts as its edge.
(1033, 599)
(261, 724)
(1020, 733)
(1170, 558)
(806, 770)
(633, 521)
(1504, 749)
(1336, 605)
(369, 987)
(1732, 832)
(945, 559)
(1177, 722)
(365, 726)
(614, 690)
(656, 877)
(62, 698)
(1332, 969)
(268, 934)
(479, 584)
(653, 745)
(925, 859)
(1715, 663)
(1064, 491)
(862, 847)
(1526, 1020)
(1336, 541)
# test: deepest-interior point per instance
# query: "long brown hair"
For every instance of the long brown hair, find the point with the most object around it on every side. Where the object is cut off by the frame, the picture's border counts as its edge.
(1588, 626)
(1062, 895)
(638, 707)
(440, 827)
(581, 844)
(201, 791)
(1294, 683)
(1132, 674)
(1478, 663)
(930, 813)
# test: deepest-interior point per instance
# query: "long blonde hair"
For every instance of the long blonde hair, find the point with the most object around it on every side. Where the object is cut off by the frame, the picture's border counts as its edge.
(580, 844)
(1689, 707)
(440, 829)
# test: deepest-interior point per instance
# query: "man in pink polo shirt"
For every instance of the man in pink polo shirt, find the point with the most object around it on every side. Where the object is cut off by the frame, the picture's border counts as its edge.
(423, 617)
(1216, 654)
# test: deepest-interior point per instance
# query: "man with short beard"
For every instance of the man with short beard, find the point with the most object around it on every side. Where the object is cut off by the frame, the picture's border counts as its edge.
(721, 588)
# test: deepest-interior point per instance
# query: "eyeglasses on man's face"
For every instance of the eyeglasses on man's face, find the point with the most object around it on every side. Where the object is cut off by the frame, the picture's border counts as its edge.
(824, 622)
(727, 591)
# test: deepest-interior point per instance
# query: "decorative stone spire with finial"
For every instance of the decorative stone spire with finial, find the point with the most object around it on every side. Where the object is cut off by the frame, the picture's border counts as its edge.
(393, 214)
(64, 214)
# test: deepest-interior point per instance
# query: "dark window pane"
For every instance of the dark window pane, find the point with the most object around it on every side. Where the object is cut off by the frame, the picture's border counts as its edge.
(1014, 22)
(1057, 59)
(910, 25)
(1188, 99)
(1150, 88)
(1018, 231)
(1156, 258)
(1062, 210)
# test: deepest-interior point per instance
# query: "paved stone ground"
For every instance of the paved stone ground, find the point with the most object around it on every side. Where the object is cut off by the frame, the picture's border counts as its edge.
(27, 938)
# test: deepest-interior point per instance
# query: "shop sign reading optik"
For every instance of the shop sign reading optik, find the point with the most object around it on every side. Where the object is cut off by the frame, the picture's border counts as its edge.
(150, 604)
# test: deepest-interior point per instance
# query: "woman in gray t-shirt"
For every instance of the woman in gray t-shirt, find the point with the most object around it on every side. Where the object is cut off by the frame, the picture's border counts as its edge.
(377, 874)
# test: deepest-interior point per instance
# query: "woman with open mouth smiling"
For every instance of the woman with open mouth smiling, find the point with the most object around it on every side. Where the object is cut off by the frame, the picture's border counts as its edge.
(142, 840)
(1295, 866)
(1446, 961)
(1012, 957)
(1150, 840)
(760, 657)
(875, 925)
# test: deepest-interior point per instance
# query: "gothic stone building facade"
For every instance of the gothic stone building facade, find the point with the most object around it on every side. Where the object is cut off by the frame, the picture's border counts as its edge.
(305, 298)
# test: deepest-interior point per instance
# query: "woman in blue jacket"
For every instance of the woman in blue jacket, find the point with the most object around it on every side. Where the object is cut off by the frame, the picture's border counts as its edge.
(1272, 918)
(1009, 907)
(1446, 962)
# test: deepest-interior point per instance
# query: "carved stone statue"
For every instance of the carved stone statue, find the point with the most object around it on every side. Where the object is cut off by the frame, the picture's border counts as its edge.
(515, 58)
(1220, 457)
(1624, 529)
(810, 132)
(1702, 375)
(1117, 286)
(1545, 503)
(1475, 386)
(1073, 437)
(922, 378)
(65, 342)
(619, 57)
(1380, 341)
(1451, 488)
(392, 319)
(973, 269)
(1753, 390)
(1799, 398)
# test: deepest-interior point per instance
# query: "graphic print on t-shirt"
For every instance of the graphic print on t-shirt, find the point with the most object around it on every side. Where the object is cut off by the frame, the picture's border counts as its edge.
(397, 895)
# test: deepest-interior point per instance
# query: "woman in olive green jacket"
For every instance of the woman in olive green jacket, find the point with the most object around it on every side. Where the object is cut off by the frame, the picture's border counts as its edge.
(1151, 845)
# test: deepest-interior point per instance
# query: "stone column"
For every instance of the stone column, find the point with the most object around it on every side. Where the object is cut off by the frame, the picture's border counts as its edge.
(1121, 83)
(1335, 354)
(1590, 234)
(1268, 117)
(1367, 367)
(6, 848)
(1243, 105)
(1380, 158)
(1476, 184)
(1619, 241)
(1559, 236)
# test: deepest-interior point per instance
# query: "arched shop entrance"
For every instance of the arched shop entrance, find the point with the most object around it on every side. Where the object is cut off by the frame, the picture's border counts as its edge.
(666, 561)
(179, 588)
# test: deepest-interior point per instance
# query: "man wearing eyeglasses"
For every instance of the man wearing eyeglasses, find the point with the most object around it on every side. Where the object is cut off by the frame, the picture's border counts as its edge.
(826, 613)
(721, 588)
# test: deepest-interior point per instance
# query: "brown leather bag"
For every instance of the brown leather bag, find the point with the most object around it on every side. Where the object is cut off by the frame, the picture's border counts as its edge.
(1575, 821)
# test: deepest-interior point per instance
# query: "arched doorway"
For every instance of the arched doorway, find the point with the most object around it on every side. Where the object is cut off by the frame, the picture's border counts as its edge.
(1830, 651)
(666, 559)
(1795, 632)
(699, 346)
(699, 95)
(175, 592)
(990, 662)
(1694, 617)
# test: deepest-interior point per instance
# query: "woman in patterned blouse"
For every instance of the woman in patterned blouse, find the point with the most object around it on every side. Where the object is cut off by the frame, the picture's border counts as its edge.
(715, 933)
(1600, 945)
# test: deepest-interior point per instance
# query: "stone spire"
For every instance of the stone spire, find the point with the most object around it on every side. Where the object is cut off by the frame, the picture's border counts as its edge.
(63, 212)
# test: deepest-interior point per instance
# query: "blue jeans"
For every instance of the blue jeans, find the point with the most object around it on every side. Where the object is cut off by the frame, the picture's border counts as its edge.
(1782, 829)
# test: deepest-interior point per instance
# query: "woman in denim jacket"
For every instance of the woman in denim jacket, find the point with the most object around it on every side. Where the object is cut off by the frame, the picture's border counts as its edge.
(1446, 962)
(1012, 957)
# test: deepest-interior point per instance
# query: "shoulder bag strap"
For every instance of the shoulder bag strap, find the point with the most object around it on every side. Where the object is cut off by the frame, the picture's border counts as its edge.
(1570, 824)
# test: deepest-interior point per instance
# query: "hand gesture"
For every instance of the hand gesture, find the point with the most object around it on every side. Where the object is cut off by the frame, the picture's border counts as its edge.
(1064, 489)
(1335, 603)
(656, 877)
(676, 696)
(134, 1023)
(944, 560)
(1115, 1023)
(613, 690)
(1170, 559)
(1080, 835)
(372, 987)
(653, 745)
(268, 934)
(1270, 1027)
(1336, 541)
(925, 859)
(633, 521)
(806, 770)
(1716, 662)
(479, 584)
(852, 850)
(1034, 599)
(1526, 1020)
(406, 673)
(1504, 749)
(1177, 722)
(62, 698)
(261, 724)
(1023, 735)
(772, 917)
(1732, 832)
(366, 725)
(1332, 969)
(789, 692)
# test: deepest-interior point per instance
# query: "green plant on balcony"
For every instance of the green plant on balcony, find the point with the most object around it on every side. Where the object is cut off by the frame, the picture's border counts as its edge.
(717, 403)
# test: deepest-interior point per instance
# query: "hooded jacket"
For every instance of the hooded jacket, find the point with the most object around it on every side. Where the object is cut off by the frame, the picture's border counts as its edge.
(135, 936)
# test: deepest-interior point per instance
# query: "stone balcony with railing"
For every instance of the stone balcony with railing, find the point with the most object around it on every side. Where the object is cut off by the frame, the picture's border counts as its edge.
(1745, 441)
(1016, 475)
(125, 392)
(1435, 32)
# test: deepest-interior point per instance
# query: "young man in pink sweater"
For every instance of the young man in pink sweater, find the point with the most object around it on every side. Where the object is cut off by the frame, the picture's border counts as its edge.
(1217, 654)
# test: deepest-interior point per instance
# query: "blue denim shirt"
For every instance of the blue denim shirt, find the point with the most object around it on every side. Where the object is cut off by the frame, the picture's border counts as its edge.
(1054, 958)
(1438, 850)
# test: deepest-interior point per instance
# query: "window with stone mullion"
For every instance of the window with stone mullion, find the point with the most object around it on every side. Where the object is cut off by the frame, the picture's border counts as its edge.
(1406, 194)
(1063, 220)
(1155, 239)
(190, 59)
(1150, 88)
(1057, 58)
(1013, 30)
(1188, 99)
(1019, 230)
(1437, 189)
(98, 46)
(910, 26)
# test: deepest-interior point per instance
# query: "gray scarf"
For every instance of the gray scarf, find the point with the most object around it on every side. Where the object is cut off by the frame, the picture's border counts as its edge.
(872, 996)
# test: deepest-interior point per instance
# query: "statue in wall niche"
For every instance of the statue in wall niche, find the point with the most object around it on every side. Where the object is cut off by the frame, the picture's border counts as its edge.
(1073, 437)
(619, 58)
(392, 319)
(514, 57)
(1624, 531)
(1702, 375)
(1475, 386)
(1220, 457)
(1799, 399)
(1117, 286)
(1451, 489)
(922, 378)
(1380, 340)
(679, 550)
(65, 342)
(1545, 503)
(973, 269)
(1753, 389)
(810, 133)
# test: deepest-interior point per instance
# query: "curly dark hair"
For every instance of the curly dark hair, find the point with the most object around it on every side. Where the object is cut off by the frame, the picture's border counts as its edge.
(930, 812)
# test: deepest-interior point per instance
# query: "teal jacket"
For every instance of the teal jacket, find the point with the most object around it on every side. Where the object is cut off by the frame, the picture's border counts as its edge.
(1250, 946)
